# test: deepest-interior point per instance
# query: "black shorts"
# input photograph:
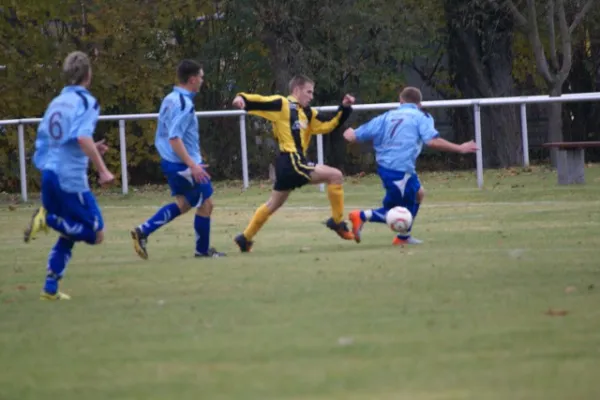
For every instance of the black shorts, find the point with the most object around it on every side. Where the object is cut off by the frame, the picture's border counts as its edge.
(291, 171)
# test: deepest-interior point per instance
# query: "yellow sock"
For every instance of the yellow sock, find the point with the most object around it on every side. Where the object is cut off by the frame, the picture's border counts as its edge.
(261, 216)
(336, 199)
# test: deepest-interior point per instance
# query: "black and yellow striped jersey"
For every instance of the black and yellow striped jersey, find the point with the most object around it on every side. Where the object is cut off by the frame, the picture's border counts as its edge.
(293, 125)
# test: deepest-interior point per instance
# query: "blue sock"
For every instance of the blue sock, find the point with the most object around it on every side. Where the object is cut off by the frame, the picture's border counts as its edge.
(162, 217)
(76, 231)
(378, 215)
(202, 228)
(414, 210)
(57, 263)
(374, 215)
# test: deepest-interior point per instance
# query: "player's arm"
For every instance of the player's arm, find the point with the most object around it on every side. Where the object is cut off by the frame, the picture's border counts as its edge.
(432, 139)
(268, 107)
(85, 127)
(366, 131)
(180, 119)
(319, 124)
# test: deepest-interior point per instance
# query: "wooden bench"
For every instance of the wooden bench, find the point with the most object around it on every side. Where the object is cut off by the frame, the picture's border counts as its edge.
(570, 161)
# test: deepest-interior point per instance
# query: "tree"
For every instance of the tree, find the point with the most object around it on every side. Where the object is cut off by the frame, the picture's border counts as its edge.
(480, 43)
(553, 61)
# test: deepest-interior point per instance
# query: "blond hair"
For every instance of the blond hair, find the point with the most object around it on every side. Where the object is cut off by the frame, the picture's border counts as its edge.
(76, 68)
(412, 95)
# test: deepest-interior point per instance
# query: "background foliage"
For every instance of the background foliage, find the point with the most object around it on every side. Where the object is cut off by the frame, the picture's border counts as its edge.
(451, 49)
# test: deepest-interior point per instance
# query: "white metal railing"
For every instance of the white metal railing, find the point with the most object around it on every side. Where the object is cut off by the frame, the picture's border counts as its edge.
(475, 103)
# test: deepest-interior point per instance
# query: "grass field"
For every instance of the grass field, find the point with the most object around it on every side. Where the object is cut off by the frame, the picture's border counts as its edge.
(476, 312)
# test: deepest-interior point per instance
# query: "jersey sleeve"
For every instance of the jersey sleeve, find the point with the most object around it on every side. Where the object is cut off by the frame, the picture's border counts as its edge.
(371, 129)
(179, 120)
(87, 119)
(268, 107)
(320, 124)
(427, 129)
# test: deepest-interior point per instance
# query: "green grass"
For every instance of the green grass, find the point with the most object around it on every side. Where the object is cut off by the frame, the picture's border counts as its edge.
(307, 316)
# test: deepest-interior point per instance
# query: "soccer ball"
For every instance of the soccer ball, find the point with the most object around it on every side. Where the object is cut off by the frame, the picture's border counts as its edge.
(399, 219)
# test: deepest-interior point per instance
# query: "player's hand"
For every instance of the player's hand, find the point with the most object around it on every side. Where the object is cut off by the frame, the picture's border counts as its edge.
(348, 100)
(101, 146)
(469, 147)
(106, 178)
(239, 102)
(199, 173)
(349, 135)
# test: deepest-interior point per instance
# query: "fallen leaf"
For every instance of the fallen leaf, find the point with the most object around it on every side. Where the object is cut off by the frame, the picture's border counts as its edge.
(556, 312)
(570, 289)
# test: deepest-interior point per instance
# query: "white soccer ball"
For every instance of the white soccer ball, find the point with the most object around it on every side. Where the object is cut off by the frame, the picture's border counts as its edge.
(399, 219)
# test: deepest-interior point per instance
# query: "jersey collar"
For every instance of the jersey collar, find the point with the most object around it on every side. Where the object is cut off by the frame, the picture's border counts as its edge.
(74, 88)
(292, 99)
(409, 105)
(184, 92)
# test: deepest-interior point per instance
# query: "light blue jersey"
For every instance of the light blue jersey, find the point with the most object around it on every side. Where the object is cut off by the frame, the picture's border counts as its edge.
(177, 119)
(398, 136)
(42, 145)
(72, 114)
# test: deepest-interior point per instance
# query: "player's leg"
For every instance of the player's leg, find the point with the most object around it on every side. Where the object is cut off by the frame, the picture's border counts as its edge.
(202, 223)
(83, 212)
(335, 192)
(60, 209)
(58, 259)
(358, 218)
(287, 178)
(37, 224)
(412, 199)
(181, 189)
(261, 215)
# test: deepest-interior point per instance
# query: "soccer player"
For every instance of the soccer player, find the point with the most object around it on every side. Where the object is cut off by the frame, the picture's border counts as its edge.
(398, 137)
(294, 122)
(178, 143)
(42, 142)
(63, 151)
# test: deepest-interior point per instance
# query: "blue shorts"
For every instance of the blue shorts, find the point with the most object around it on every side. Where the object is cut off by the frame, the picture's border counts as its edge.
(400, 188)
(179, 178)
(77, 207)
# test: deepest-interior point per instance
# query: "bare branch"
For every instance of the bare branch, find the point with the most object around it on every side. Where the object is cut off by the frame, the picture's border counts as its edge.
(565, 39)
(520, 18)
(552, 35)
(538, 48)
(580, 15)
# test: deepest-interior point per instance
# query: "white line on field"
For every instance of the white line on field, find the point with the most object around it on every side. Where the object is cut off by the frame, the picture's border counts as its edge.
(350, 207)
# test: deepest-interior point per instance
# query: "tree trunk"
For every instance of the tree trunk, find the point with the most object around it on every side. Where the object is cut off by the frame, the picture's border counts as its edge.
(480, 52)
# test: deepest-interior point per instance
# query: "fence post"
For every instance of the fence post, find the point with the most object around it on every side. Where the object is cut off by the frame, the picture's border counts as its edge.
(245, 178)
(123, 146)
(320, 157)
(525, 134)
(477, 110)
(22, 165)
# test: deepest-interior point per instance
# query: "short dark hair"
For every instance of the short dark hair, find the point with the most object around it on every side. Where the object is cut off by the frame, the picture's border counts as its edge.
(299, 81)
(411, 94)
(186, 69)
